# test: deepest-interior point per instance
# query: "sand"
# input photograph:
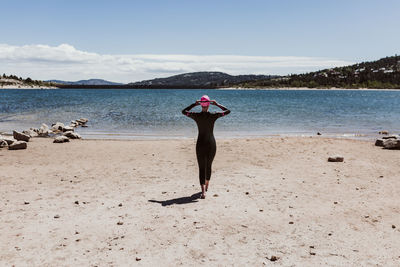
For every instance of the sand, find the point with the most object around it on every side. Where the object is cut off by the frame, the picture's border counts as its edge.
(122, 203)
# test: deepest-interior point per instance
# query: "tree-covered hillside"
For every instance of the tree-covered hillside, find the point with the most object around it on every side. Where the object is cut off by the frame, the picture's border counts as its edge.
(383, 73)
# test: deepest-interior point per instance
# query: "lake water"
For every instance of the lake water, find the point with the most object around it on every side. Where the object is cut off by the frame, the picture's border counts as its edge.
(115, 113)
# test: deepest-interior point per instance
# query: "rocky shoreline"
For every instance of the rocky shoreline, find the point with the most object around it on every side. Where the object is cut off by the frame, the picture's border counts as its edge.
(60, 132)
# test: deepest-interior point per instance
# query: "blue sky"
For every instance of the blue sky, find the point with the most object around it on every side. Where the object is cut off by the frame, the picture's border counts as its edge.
(331, 32)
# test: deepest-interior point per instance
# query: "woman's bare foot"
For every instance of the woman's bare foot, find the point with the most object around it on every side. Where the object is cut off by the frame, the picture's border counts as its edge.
(203, 193)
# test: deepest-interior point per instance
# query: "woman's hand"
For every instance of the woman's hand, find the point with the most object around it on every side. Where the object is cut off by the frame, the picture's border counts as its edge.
(197, 102)
(213, 102)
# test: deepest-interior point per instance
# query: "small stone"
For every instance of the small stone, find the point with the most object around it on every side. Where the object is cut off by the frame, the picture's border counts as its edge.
(68, 129)
(336, 158)
(215, 195)
(120, 223)
(3, 143)
(261, 210)
(247, 193)
(312, 247)
(120, 205)
(21, 137)
(72, 135)
(26, 202)
(274, 258)
(138, 259)
(312, 253)
(393, 226)
(319, 133)
(379, 142)
(76, 202)
(291, 222)
(61, 139)
(335, 202)
(391, 144)
(77, 240)
(76, 232)
(18, 145)
(56, 216)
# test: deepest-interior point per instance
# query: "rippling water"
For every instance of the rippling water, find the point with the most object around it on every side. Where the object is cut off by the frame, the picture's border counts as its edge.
(157, 113)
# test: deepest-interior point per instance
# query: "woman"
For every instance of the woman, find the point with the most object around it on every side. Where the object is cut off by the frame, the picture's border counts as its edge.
(205, 146)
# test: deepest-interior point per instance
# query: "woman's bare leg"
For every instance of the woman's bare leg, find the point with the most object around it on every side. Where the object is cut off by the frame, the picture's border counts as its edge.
(207, 182)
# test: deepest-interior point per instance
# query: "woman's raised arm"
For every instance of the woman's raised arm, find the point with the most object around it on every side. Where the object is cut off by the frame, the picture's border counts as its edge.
(224, 112)
(186, 111)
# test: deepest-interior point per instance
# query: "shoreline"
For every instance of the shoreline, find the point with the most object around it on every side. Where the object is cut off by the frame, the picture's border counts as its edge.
(229, 88)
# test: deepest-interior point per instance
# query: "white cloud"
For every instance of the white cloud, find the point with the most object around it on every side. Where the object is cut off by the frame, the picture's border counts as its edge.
(65, 62)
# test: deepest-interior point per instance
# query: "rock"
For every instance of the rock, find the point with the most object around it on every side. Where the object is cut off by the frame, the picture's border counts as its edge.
(138, 259)
(120, 205)
(68, 129)
(72, 135)
(383, 132)
(393, 226)
(20, 136)
(44, 131)
(82, 121)
(17, 145)
(61, 139)
(319, 133)
(120, 223)
(379, 142)
(274, 258)
(30, 132)
(3, 143)
(391, 137)
(56, 216)
(7, 139)
(58, 126)
(391, 144)
(336, 159)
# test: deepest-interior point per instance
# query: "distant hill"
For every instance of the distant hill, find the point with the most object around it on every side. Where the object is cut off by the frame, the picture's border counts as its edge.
(382, 73)
(86, 82)
(200, 79)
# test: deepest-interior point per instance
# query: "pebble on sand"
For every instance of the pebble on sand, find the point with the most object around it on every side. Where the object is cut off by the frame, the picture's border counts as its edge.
(56, 216)
(336, 158)
(274, 258)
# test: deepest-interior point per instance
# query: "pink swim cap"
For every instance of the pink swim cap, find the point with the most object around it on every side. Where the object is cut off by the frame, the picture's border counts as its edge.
(205, 98)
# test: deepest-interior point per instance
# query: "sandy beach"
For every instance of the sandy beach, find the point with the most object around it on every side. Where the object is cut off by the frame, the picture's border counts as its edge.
(123, 203)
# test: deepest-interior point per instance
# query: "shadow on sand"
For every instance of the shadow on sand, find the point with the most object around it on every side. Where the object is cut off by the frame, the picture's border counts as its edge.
(182, 200)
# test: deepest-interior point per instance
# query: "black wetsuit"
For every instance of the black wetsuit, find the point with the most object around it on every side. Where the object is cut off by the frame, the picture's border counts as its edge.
(205, 146)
